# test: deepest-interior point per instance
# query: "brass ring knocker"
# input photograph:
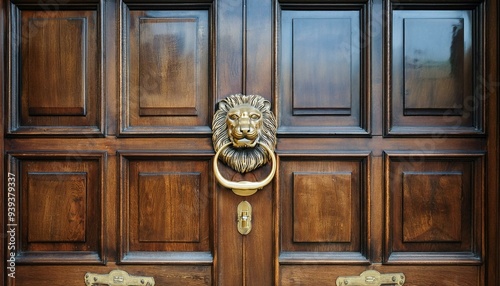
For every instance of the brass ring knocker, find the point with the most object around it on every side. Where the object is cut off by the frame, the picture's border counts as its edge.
(244, 136)
(244, 188)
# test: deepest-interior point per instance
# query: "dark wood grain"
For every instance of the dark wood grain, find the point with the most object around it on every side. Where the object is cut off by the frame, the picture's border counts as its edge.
(58, 88)
(433, 205)
(57, 50)
(169, 86)
(167, 206)
(434, 74)
(180, 221)
(322, 71)
(60, 209)
(387, 153)
(67, 275)
(166, 87)
(319, 86)
(322, 206)
(57, 204)
(308, 275)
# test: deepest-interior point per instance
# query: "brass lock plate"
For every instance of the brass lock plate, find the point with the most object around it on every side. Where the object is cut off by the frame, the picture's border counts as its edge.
(118, 278)
(372, 278)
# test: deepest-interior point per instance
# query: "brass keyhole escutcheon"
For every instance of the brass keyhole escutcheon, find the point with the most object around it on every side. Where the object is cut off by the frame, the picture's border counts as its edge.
(244, 212)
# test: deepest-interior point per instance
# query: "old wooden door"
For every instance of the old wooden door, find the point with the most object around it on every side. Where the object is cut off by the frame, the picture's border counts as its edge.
(387, 141)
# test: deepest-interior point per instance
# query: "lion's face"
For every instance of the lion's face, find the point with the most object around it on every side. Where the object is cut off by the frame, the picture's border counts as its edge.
(246, 121)
(243, 125)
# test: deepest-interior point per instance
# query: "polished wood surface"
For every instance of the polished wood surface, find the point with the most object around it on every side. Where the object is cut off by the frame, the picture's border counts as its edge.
(58, 87)
(165, 205)
(388, 153)
(47, 194)
(335, 203)
(165, 70)
(434, 69)
(434, 62)
(60, 210)
(434, 203)
(322, 71)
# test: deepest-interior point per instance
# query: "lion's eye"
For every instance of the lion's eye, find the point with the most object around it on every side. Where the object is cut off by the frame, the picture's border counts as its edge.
(233, 116)
(255, 117)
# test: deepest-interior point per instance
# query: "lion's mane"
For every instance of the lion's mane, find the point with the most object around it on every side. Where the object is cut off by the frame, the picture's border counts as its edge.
(244, 160)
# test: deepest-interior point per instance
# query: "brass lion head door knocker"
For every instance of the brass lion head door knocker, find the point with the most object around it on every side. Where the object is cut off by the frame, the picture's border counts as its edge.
(244, 138)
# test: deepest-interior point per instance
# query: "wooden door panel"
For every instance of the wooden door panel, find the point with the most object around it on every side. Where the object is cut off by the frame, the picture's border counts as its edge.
(437, 58)
(177, 190)
(60, 207)
(434, 208)
(166, 88)
(67, 190)
(322, 72)
(166, 207)
(69, 33)
(414, 275)
(58, 56)
(313, 200)
(56, 275)
(322, 208)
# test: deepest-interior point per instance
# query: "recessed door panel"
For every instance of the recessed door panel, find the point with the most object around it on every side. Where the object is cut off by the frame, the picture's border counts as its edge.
(59, 210)
(57, 55)
(322, 208)
(166, 86)
(434, 206)
(436, 60)
(322, 71)
(165, 208)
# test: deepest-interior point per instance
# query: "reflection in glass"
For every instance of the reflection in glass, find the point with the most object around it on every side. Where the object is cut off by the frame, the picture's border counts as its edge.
(434, 65)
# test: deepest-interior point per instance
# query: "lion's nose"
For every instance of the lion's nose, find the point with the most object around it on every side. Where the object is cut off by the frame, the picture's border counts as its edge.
(244, 125)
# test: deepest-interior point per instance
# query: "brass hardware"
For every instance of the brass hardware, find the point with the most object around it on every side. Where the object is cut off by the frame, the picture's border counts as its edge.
(372, 278)
(244, 217)
(244, 138)
(244, 188)
(118, 278)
